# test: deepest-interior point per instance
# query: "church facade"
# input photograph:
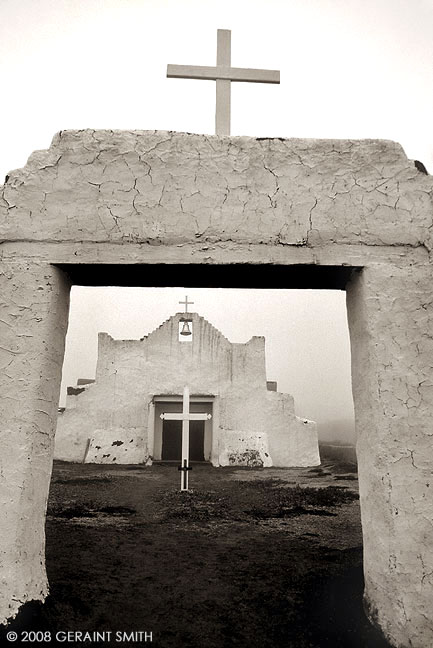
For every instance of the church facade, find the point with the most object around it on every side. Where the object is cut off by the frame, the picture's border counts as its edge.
(117, 418)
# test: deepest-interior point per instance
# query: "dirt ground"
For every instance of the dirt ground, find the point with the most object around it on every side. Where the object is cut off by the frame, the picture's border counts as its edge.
(248, 558)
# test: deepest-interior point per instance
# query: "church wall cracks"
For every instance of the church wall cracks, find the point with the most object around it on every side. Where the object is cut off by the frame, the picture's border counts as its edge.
(159, 197)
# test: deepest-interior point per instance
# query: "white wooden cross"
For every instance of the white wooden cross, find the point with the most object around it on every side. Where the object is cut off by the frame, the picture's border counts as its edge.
(223, 74)
(185, 417)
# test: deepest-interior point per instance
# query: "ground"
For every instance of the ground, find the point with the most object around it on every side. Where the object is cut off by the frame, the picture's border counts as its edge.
(249, 557)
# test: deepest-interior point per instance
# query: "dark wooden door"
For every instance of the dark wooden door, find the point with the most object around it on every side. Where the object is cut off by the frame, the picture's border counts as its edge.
(196, 440)
(172, 441)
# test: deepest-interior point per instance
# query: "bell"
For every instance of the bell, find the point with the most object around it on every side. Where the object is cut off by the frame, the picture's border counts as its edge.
(185, 328)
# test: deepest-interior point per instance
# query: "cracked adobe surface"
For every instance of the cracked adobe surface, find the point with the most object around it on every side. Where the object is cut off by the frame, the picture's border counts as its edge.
(168, 188)
(158, 197)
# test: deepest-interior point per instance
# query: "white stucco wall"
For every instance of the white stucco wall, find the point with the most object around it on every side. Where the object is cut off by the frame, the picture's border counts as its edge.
(239, 448)
(33, 319)
(121, 446)
(391, 323)
(292, 441)
(111, 197)
(131, 372)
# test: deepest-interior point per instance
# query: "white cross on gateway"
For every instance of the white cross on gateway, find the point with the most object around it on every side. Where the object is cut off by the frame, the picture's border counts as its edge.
(223, 74)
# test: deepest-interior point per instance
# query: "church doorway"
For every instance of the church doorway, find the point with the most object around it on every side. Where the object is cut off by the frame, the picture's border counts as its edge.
(172, 441)
(167, 434)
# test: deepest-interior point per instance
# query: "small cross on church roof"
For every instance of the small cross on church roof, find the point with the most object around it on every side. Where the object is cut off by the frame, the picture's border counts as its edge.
(186, 303)
(223, 74)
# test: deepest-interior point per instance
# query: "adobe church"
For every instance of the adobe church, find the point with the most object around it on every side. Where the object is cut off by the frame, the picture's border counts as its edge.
(117, 418)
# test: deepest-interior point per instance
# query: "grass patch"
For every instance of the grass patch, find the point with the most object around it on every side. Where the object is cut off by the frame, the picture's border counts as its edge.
(271, 497)
(89, 510)
(84, 480)
(291, 502)
(195, 505)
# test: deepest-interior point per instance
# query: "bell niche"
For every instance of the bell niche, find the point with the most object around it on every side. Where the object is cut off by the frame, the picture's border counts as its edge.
(185, 330)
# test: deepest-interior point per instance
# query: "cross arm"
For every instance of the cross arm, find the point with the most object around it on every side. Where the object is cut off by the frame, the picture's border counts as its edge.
(210, 73)
(172, 416)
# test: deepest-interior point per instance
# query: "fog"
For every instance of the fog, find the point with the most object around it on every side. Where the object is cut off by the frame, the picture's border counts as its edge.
(306, 333)
(349, 69)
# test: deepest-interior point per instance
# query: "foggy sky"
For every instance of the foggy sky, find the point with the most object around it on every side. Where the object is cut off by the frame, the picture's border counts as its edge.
(307, 340)
(349, 69)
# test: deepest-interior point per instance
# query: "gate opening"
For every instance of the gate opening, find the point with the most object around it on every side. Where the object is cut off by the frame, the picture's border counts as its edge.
(241, 311)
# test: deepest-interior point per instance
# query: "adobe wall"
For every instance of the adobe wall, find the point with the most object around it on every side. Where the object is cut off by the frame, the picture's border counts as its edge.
(33, 319)
(301, 447)
(157, 197)
(391, 328)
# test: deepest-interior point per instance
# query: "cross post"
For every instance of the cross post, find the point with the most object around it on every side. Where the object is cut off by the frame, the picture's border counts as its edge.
(223, 86)
(223, 74)
(185, 417)
(184, 478)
